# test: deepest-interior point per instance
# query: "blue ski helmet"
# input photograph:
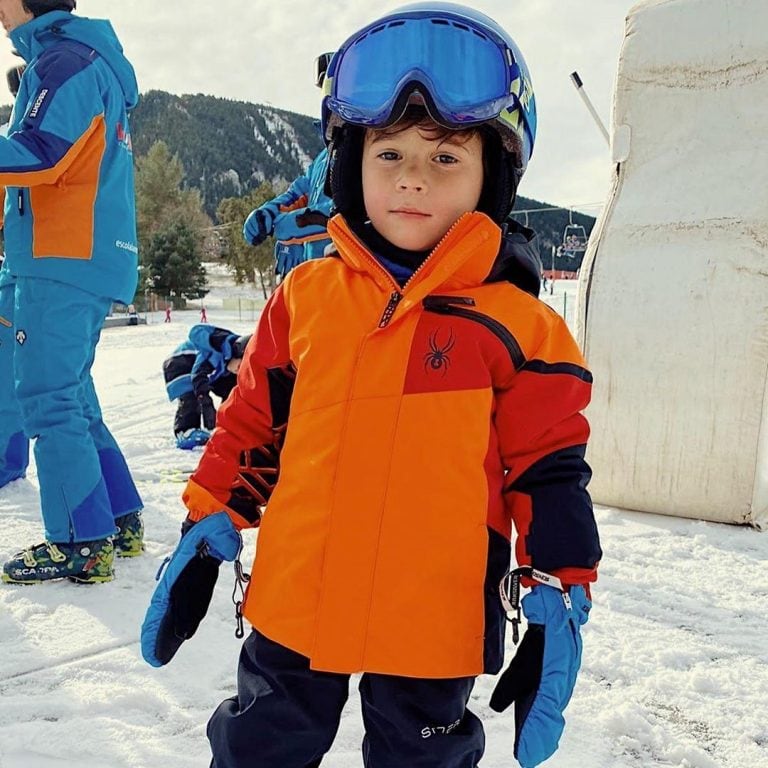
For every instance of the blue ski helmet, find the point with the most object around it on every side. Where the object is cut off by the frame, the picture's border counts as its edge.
(456, 62)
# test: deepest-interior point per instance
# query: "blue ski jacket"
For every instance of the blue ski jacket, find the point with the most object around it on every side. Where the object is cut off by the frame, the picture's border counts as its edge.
(199, 363)
(306, 192)
(67, 162)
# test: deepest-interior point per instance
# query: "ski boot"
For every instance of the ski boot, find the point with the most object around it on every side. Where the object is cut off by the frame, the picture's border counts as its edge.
(86, 562)
(129, 539)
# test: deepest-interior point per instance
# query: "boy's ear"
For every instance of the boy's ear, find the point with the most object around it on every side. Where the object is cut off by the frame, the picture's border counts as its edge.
(344, 182)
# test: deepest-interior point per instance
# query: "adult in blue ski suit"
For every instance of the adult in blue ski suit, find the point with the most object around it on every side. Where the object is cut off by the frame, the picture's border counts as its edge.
(297, 219)
(70, 248)
(204, 363)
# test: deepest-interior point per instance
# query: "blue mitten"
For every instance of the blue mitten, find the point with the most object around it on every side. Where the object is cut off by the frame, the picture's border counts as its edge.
(258, 226)
(182, 597)
(541, 676)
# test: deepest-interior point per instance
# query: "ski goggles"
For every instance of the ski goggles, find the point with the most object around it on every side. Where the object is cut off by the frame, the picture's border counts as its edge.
(465, 72)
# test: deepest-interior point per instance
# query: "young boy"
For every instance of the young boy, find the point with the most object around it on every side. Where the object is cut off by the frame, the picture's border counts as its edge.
(207, 361)
(414, 404)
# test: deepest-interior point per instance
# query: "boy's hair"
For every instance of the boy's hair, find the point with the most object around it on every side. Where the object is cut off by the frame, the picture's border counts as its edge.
(345, 176)
(416, 116)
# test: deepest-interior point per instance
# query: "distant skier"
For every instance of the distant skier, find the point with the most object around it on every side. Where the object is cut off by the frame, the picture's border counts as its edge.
(167, 314)
(206, 362)
(203, 315)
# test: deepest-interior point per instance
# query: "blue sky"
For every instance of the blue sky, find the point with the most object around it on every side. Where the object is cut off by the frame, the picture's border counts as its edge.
(264, 52)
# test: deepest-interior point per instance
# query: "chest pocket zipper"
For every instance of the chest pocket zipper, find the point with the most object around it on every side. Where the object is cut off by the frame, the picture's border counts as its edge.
(457, 306)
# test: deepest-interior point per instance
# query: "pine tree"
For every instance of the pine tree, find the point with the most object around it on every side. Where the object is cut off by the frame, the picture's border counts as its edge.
(174, 263)
(162, 202)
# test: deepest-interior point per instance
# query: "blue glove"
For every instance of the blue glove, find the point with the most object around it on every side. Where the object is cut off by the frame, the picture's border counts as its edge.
(287, 256)
(540, 678)
(300, 224)
(258, 226)
(294, 230)
(182, 597)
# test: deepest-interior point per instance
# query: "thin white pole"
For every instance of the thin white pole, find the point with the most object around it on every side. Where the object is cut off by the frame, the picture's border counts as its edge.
(592, 111)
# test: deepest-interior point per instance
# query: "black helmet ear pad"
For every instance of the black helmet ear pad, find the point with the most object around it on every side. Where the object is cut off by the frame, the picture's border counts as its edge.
(344, 182)
(500, 178)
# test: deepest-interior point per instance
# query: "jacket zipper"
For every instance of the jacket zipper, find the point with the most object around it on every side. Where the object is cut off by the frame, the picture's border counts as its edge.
(397, 295)
(456, 307)
(394, 299)
(21, 202)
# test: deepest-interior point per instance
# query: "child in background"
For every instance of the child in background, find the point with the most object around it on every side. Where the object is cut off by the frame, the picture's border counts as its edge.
(402, 405)
(208, 361)
(297, 219)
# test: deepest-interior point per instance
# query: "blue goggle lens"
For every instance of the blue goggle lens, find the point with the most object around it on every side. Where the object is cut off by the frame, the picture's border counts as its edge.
(466, 73)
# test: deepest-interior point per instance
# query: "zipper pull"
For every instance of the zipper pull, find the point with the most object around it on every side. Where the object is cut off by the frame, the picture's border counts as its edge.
(389, 310)
(444, 304)
(21, 202)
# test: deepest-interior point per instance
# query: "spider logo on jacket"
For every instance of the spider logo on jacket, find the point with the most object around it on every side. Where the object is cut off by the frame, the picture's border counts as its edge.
(437, 358)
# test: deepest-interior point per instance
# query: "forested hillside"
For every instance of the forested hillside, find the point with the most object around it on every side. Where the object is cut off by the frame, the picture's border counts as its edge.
(227, 147)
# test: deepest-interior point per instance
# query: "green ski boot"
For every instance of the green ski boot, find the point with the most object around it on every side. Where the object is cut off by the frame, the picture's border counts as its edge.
(129, 539)
(86, 562)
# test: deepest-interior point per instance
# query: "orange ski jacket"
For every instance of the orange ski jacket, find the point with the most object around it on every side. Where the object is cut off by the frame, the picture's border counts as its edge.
(409, 429)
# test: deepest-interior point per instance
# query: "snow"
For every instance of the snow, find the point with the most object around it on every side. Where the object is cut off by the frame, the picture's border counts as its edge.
(278, 125)
(675, 668)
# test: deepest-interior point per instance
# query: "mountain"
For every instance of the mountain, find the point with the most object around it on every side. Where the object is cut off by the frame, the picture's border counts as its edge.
(229, 147)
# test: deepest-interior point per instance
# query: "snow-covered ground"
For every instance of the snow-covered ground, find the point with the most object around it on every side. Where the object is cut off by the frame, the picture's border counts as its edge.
(675, 666)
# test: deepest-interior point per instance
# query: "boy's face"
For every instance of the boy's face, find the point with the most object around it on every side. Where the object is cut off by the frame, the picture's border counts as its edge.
(13, 14)
(415, 185)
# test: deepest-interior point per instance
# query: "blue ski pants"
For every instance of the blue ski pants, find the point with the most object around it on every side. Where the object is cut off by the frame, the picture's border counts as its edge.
(48, 339)
(286, 715)
(14, 446)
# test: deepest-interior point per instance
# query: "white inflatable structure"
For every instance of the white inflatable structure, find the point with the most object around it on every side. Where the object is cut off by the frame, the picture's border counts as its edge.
(673, 304)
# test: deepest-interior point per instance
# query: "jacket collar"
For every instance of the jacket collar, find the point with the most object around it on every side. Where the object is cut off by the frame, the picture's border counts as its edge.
(462, 259)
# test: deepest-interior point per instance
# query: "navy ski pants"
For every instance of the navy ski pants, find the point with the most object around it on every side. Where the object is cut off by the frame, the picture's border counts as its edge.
(286, 715)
